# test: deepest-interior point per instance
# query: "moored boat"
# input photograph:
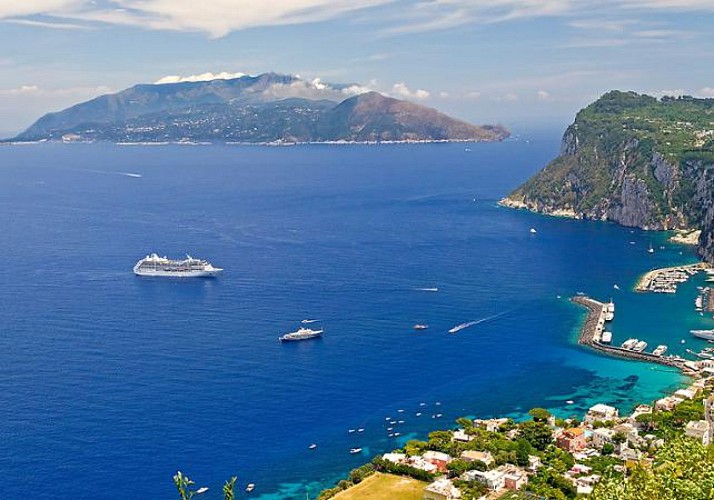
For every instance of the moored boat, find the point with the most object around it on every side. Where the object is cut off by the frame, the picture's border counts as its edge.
(703, 334)
(659, 350)
(640, 346)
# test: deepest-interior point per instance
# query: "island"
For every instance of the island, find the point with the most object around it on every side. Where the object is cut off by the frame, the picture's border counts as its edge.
(268, 108)
(635, 160)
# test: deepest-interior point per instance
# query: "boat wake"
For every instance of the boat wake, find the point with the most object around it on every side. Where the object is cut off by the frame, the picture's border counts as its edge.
(427, 289)
(469, 324)
(307, 321)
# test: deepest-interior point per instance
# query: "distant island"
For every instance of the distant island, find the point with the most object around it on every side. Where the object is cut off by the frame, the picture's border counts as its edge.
(635, 160)
(268, 108)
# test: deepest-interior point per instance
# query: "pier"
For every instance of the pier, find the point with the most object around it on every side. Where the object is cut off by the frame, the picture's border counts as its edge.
(665, 280)
(593, 328)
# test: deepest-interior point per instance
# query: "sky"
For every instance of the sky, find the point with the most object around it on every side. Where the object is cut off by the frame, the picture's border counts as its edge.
(522, 63)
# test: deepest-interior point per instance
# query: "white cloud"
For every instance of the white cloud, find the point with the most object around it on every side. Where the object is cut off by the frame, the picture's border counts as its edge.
(444, 95)
(400, 89)
(46, 24)
(37, 91)
(706, 92)
(473, 95)
(203, 77)
(543, 95)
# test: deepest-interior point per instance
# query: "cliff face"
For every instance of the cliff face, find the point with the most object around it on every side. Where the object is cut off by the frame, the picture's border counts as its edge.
(633, 160)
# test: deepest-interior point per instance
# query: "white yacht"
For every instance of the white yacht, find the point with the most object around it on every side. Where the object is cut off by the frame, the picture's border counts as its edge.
(606, 337)
(703, 334)
(629, 343)
(659, 350)
(153, 265)
(640, 346)
(301, 334)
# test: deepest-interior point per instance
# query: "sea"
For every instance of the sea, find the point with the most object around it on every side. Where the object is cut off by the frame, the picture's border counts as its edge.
(110, 383)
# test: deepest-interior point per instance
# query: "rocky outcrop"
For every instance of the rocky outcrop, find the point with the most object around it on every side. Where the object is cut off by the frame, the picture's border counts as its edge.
(617, 163)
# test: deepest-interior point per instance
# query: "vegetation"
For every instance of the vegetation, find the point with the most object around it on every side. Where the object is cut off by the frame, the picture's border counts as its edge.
(683, 468)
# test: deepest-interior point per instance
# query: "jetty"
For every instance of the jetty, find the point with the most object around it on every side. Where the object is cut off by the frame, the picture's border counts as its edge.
(592, 330)
(665, 280)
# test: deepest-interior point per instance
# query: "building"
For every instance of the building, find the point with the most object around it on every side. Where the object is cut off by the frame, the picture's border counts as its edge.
(667, 404)
(601, 437)
(460, 435)
(421, 464)
(709, 416)
(395, 457)
(441, 489)
(491, 425)
(480, 456)
(700, 430)
(493, 479)
(438, 459)
(514, 478)
(534, 463)
(686, 393)
(571, 440)
(602, 413)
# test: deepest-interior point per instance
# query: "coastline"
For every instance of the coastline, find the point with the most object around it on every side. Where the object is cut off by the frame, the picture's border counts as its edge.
(520, 205)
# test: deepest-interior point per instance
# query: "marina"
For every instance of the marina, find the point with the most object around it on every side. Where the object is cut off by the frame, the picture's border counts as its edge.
(592, 330)
(665, 280)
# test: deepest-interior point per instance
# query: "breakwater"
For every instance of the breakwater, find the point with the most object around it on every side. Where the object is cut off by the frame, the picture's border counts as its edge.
(665, 280)
(591, 333)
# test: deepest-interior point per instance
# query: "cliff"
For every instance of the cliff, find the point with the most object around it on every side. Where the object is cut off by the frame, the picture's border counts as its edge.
(634, 160)
(253, 109)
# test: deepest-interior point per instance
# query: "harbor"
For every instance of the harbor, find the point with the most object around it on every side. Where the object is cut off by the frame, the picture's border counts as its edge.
(593, 329)
(665, 280)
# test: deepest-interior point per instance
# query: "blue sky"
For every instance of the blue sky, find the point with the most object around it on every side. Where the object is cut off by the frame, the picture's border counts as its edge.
(523, 63)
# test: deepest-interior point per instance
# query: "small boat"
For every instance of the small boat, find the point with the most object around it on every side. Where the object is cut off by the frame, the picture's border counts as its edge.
(533, 230)
(250, 487)
(397, 434)
(418, 414)
(703, 334)
(351, 431)
(400, 411)
(629, 343)
(202, 489)
(307, 321)
(659, 350)
(640, 346)
(313, 446)
(420, 326)
(615, 286)
(650, 249)
(438, 403)
(390, 435)
(390, 429)
(354, 451)
(360, 430)
(570, 402)
(401, 421)
(422, 404)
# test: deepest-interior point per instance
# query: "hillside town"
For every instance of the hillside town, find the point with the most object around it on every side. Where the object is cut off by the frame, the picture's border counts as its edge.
(544, 457)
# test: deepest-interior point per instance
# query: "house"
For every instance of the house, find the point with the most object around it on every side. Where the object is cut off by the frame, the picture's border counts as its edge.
(585, 484)
(699, 430)
(602, 413)
(395, 458)
(571, 440)
(481, 456)
(579, 469)
(601, 437)
(460, 435)
(441, 489)
(421, 464)
(685, 393)
(437, 458)
(514, 478)
(493, 479)
(534, 463)
(667, 404)
(491, 425)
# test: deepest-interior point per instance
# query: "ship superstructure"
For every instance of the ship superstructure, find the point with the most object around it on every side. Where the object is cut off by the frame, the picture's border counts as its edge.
(153, 265)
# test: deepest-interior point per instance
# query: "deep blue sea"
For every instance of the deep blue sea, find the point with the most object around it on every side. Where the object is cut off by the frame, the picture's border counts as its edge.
(109, 383)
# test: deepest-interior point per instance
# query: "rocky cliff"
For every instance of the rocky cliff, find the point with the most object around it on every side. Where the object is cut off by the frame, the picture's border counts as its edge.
(634, 160)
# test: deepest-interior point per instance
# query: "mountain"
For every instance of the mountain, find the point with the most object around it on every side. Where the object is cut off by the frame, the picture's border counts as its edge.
(635, 160)
(253, 109)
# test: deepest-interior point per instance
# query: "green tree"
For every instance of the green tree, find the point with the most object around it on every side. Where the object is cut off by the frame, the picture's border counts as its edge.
(539, 414)
(183, 485)
(683, 469)
(523, 451)
(458, 466)
(608, 449)
(229, 489)
(538, 434)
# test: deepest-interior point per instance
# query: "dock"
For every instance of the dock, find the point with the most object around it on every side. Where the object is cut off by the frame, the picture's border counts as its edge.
(665, 280)
(592, 331)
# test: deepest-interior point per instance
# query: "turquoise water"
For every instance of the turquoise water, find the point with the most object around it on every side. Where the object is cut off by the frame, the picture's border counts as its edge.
(109, 383)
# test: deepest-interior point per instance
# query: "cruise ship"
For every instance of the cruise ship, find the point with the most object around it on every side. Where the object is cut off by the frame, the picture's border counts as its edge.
(153, 265)
(301, 334)
(703, 334)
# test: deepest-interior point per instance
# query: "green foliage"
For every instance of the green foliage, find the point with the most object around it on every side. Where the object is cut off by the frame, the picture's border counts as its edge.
(229, 489)
(539, 414)
(471, 490)
(538, 434)
(183, 485)
(382, 465)
(683, 469)
(608, 449)
(458, 466)
(551, 485)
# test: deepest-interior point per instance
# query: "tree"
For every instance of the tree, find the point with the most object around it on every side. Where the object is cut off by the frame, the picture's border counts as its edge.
(523, 451)
(458, 466)
(229, 489)
(538, 434)
(183, 485)
(608, 449)
(539, 414)
(683, 468)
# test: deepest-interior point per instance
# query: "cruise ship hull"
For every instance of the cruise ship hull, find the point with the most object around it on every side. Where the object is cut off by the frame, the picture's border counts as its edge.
(177, 274)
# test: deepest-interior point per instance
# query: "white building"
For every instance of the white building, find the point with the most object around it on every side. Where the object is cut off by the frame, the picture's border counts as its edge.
(601, 437)
(441, 489)
(395, 457)
(493, 479)
(698, 429)
(480, 456)
(602, 413)
(460, 435)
